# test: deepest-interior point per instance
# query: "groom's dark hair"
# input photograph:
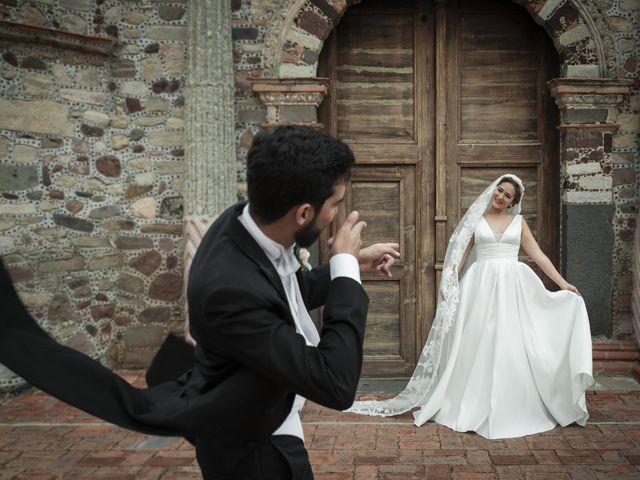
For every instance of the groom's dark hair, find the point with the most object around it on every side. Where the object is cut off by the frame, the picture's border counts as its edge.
(292, 165)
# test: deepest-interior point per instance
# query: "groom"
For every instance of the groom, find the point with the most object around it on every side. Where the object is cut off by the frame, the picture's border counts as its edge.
(249, 302)
(258, 355)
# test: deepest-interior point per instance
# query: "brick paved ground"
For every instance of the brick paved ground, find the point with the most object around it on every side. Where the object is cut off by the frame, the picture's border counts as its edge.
(43, 439)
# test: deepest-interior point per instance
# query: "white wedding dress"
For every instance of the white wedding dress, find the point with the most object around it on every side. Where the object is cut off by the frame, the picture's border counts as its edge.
(523, 360)
(504, 357)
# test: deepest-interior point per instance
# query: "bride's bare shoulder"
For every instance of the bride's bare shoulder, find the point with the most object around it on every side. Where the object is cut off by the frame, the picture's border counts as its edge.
(525, 225)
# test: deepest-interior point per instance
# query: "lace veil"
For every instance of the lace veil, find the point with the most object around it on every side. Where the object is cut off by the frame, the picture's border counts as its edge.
(422, 389)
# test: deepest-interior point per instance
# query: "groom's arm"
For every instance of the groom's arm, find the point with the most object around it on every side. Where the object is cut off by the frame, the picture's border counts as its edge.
(314, 286)
(262, 341)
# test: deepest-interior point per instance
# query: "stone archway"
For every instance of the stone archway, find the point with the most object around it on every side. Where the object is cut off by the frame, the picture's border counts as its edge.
(296, 36)
(587, 93)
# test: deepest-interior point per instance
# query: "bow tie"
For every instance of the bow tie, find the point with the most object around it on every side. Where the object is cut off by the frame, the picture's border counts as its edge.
(287, 263)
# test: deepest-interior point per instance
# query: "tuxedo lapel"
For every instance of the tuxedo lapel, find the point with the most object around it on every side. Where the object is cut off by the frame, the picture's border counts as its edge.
(251, 249)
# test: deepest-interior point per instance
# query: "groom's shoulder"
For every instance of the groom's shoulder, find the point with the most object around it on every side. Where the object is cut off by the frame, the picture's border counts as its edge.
(221, 269)
(219, 231)
(218, 248)
(222, 223)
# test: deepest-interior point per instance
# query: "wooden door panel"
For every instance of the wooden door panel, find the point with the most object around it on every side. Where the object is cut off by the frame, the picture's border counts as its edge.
(494, 107)
(392, 31)
(506, 26)
(483, 123)
(385, 198)
(352, 76)
(375, 78)
(505, 155)
(379, 201)
(382, 337)
(393, 60)
(357, 113)
(390, 153)
(494, 112)
(397, 90)
(509, 77)
(378, 68)
(480, 91)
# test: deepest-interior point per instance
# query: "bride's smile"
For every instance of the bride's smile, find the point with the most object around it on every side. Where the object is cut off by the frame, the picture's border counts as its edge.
(503, 196)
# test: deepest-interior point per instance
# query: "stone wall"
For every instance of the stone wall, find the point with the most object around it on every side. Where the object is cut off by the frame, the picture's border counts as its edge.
(625, 158)
(91, 170)
(623, 20)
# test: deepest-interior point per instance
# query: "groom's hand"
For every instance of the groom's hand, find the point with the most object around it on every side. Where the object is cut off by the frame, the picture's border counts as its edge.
(379, 256)
(348, 237)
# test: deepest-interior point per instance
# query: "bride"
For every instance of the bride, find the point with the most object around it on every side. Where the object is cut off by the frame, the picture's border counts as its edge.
(505, 357)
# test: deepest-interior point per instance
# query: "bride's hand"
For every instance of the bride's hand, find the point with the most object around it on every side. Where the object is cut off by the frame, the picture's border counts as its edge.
(571, 288)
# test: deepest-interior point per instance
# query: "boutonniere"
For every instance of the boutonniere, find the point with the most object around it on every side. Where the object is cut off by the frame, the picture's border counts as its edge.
(302, 254)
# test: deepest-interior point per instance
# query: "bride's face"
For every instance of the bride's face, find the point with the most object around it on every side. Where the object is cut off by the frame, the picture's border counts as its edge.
(503, 196)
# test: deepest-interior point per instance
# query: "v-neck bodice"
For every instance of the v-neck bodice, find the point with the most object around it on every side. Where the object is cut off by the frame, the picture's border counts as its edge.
(491, 247)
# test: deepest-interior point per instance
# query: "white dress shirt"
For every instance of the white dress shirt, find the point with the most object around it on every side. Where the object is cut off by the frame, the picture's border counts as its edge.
(286, 264)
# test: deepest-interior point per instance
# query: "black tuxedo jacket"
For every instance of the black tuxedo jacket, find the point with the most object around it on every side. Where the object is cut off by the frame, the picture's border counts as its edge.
(249, 361)
(241, 320)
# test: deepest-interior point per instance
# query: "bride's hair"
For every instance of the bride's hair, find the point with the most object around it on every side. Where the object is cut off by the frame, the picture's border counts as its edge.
(516, 185)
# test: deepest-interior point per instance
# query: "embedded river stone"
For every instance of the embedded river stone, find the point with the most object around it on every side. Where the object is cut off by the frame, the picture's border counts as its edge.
(26, 116)
(101, 262)
(170, 13)
(133, 243)
(72, 264)
(18, 177)
(166, 287)
(162, 138)
(104, 212)
(155, 315)
(60, 310)
(24, 153)
(147, 263)
(83, 96)
(109, 166)
(73, 223)
(130, 284)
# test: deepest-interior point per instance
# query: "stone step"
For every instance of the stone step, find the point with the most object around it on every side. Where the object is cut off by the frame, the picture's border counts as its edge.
(613, 367)
(620, 355)
(616, 357)
(616, 346)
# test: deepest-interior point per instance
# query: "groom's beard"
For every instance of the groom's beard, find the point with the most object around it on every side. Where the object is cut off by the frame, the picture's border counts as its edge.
(308, 235)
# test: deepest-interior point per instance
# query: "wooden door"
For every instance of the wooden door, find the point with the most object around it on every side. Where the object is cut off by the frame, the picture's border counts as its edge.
(414, 92)
(500, 117)
(380, 72)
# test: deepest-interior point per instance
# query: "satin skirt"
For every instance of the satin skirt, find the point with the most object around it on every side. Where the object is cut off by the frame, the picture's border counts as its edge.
(522, 360)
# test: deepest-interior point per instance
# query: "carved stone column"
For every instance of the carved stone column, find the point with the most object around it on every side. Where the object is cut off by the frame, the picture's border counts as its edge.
(291, 100)
(211, 184)
(588, 121)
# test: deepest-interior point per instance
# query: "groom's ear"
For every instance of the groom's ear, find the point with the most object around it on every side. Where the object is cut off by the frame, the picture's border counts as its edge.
(304, 214)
